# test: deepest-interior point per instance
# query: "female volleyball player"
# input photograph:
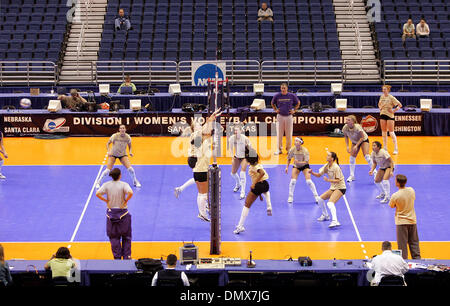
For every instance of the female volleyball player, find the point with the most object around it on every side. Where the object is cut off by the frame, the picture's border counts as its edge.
(119, 141)
(237, 144)
(191, 131)
(382, 158)
(301, 164)
(388, 105)
(203, 143)
(260, 186)
(336, 191)
(3, 151)
(353, 131)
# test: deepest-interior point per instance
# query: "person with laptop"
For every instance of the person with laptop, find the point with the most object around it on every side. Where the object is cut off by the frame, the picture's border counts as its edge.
(127, 88)
(73, 102)
(169, 277)
(388, 264)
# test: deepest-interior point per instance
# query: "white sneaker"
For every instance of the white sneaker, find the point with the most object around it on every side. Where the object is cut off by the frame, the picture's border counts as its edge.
(2, 176)
(236, 188)
(177, 192)
(137, 184)
(323, 218)
(385, 200)
(334, 224)
(201, 217)
(238, 229)
(279, 152)
(269, 211)
(395, 152)
(380, 196)
(350, 178)
(290, 199)
(242, 196)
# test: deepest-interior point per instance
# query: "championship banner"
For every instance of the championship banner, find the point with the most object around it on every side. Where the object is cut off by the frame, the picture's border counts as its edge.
(204, 70)
(256, 123)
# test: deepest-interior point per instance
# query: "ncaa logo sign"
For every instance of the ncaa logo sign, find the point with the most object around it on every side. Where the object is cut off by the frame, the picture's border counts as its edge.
(202, 71)
(56, 125)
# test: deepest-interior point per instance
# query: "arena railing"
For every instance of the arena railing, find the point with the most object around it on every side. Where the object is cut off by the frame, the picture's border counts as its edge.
(237, 71)
(292, 71)
(165, 72)
(416, 71)
(28, 72)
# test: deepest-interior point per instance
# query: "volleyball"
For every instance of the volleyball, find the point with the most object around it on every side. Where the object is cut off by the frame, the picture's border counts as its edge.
(25, 103)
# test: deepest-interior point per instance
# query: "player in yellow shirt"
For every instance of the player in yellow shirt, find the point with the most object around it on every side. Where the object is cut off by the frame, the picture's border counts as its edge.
(388, 105)
(383, 160)
(336, 191)
(260, 186)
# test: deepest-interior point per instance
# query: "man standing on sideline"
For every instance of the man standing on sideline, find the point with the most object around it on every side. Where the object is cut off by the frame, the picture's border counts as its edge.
(118, 219)
(388, 264)
(169, 277)
(285, 105)
(405, 218)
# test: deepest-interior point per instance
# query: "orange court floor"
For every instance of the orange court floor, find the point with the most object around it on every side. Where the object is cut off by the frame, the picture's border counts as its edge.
(172, 151)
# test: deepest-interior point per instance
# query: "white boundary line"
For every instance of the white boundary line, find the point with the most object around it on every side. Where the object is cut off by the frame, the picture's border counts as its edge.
(87, 202)
(354, 225)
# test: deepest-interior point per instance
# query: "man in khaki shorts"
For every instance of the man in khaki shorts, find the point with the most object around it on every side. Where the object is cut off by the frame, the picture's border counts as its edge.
(285, 105)
(405, 218)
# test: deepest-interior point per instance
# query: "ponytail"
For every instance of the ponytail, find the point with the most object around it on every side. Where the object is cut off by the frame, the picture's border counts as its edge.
(335, 157)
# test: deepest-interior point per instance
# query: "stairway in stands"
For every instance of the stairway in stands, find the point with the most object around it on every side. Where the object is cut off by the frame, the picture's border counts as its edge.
(76, 66)
(359, 55)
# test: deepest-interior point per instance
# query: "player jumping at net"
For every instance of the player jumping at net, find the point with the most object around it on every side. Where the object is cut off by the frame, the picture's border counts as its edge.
(119, 141)
(259, 188)
(203, 143)
(301, 164)
(237, 144)
(192, 131)
(353, 131)
(5, 155)
(382, 159)
(336, 191)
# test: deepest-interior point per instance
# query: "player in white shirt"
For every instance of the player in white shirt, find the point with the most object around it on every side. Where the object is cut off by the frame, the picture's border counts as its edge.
(353, 131)
(300, 154)
(336, 191)
(193, 128)
(119, 142)
(5, 155)
(383, 160)
(237, 143)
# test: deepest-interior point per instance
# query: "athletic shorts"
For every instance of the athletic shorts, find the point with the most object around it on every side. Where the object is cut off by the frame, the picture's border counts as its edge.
(201, 176)
(119, 157)
(341, 190)
(384, 169)
(260, 188)
(367, 140)
(240, 159)
(386, 117)
(192, 161)
(303, 167)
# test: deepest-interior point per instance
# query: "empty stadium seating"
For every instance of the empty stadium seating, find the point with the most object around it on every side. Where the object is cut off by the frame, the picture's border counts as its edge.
(32, 29)
(187, 30)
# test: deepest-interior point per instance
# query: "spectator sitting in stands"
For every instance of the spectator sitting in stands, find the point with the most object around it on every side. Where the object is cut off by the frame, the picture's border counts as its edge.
(60, 264)
(127, 83)
(422, 29)
(74, 101)
(122, 21)
(388, 264)
(265, 13)
(169, 277)
(408, 30)
(5, 274)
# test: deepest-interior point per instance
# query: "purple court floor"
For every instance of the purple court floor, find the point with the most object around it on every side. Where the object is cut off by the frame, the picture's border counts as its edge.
(45, 203)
